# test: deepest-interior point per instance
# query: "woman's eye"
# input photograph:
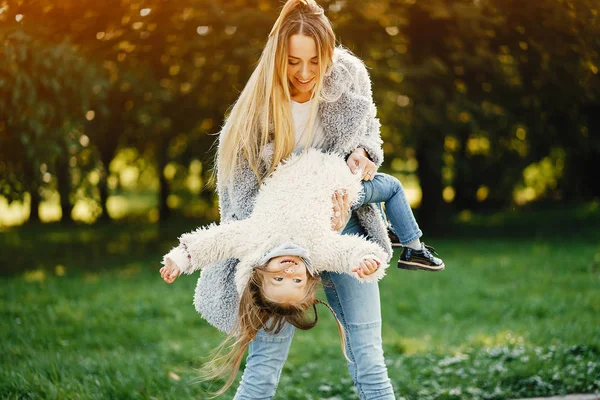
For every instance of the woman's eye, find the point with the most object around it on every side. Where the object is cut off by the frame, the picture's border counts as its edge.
(292, 63)
(315, 62)
(297, 280)
(278, 278)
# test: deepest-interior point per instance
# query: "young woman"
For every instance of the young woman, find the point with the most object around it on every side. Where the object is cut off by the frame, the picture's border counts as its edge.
(304, 92)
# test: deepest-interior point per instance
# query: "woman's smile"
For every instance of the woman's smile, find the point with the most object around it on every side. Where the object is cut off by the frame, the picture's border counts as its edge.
(304, 82)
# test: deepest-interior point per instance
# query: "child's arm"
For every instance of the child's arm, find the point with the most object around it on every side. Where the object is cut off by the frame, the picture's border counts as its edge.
(206, 246)
(353, 255)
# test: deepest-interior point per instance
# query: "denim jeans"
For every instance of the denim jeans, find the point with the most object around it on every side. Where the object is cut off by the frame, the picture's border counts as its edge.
(357, 307)
(386, 189)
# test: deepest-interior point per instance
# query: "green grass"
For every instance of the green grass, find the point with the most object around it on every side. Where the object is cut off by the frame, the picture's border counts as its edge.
(84, 314)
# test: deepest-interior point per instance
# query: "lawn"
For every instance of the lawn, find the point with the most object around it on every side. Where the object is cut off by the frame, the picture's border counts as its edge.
(84, 314)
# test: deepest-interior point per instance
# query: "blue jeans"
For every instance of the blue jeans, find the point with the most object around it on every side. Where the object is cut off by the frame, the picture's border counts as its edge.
(358, 309)
(386, 189)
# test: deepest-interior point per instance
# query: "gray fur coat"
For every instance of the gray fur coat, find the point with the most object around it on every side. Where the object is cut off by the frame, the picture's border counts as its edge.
(348, 117)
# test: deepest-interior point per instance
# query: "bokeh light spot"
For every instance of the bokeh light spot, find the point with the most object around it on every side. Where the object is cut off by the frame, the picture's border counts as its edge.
(392, 30)
(60, 270)
(84, 140)
(448, 194)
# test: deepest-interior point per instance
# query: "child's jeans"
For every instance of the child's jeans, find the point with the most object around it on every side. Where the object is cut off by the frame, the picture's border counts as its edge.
(357, 307)
(386, 189)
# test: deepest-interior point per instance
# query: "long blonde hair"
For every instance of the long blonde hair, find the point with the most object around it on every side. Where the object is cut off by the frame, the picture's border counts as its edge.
(262, 113)
(256, 312)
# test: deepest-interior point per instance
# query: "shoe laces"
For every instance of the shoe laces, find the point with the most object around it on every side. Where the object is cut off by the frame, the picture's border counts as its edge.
(430, 249)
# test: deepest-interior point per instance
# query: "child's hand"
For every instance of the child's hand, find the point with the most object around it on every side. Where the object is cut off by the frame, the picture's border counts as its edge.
(367, 266)
(169, 272)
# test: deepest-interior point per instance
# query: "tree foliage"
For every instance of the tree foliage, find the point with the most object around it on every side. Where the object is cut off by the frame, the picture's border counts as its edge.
(490, 97)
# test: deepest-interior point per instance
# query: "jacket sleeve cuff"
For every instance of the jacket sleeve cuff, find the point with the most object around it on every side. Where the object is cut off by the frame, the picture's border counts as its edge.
(374, 151)
(180, 257)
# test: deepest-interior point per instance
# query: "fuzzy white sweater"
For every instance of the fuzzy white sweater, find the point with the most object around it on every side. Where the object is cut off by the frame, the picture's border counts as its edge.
(292, 206)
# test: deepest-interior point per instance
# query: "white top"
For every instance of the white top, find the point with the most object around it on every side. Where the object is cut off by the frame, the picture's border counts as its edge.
(301, 115)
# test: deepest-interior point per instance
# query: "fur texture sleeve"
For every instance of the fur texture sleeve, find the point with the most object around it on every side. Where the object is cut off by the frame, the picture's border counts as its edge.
(214, 243)
(370, 139)
(179, 256)
(236, 198)
(345, 252)
(352, 114)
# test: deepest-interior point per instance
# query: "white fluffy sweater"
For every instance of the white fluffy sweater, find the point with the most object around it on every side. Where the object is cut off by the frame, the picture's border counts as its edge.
(292, 206)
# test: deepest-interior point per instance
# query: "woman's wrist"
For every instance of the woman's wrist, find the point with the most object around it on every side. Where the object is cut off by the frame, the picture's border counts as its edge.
(361, 151)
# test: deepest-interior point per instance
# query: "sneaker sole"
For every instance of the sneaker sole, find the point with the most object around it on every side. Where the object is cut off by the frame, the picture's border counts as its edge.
(417, 266)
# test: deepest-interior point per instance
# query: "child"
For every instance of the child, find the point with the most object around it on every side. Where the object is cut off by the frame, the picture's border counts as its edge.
(287, 241)
(295, 199)
(291, 217)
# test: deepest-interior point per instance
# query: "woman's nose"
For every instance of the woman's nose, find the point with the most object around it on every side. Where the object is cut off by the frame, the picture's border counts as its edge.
(289, 270)
(305, 71)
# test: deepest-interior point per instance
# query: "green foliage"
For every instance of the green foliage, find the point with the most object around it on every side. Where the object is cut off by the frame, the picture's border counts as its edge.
(474, 91)
(498, 71)
(46, 88)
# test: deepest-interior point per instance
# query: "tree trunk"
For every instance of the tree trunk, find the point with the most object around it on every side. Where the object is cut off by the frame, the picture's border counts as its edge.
(36, 199)
(107, 147)
(429, 153)
(103, 189)
(590, 154)
(31, 180)
(163, 189)
(464, 185)
(64, 190)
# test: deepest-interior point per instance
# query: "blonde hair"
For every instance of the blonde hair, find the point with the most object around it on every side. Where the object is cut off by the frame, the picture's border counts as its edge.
(262, 113)
(256, 312)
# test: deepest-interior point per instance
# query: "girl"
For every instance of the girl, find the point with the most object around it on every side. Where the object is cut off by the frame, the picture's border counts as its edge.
(289, 230)
(281, 247)
(286, 242)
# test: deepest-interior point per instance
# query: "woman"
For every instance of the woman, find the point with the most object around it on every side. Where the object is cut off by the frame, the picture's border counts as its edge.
(303, 93)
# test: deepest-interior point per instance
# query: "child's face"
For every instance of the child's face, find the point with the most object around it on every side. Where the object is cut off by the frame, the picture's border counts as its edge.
(288, 282)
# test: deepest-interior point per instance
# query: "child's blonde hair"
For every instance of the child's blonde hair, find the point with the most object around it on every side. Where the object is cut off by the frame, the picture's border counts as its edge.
(256, 312)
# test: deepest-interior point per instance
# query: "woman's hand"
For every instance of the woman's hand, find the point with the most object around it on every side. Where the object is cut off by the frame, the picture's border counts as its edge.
(358, 160)
(170, 272)
(366, 267)
(341, 211)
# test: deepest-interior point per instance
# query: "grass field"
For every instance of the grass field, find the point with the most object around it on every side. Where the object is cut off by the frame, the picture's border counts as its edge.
(84, 314)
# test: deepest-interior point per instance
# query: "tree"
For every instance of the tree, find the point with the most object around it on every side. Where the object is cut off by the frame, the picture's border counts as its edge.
(44, 85)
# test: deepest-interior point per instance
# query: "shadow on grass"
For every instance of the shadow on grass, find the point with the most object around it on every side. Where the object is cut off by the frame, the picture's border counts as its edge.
(88, 247)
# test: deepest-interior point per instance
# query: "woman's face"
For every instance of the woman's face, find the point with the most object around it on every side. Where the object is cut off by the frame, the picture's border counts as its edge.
(303, 67)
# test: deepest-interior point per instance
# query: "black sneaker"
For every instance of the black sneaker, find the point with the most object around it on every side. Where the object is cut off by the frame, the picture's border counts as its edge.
(424, 259)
